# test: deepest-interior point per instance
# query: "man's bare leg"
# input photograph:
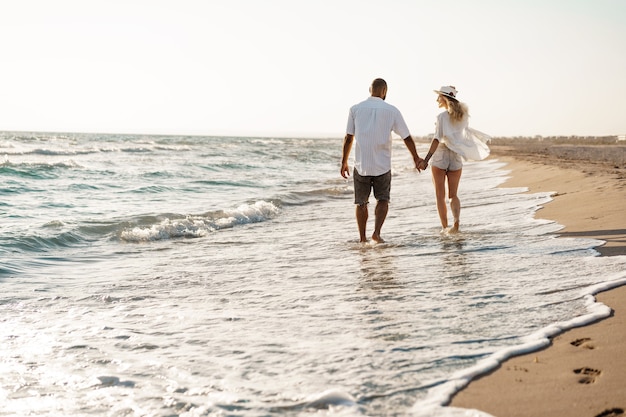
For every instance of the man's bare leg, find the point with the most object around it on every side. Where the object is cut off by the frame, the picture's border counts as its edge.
(382, 207)
(361, 221)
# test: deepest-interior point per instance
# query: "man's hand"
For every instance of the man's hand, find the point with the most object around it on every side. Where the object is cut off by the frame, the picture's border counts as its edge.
(347, 145)
(419, 164)
(345, 171)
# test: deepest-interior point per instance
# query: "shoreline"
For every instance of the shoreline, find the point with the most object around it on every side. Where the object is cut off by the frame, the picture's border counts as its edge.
(589, 182)
(581, 373)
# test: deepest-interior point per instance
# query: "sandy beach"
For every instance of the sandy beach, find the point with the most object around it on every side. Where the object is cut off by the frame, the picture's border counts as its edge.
(583, 372)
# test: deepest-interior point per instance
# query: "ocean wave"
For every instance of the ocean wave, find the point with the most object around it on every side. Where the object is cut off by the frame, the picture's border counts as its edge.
(35, 169)
(70, 148)
(301, 198)
(9, 149)
(42, 243)
(173, 148)
(57, 234)
(58, 152)
(170, 227)
(72, 152)
(152, 189)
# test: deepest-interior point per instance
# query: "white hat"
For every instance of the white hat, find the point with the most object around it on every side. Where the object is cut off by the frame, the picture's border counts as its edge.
(448, 91)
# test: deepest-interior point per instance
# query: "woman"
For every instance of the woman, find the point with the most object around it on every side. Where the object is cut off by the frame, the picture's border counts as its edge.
(453, 142)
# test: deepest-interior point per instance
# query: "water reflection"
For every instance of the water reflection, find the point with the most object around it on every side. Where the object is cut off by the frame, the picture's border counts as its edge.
(457, 265)
(378, 270)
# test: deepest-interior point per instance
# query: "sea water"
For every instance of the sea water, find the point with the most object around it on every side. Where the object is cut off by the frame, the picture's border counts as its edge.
(222, 276)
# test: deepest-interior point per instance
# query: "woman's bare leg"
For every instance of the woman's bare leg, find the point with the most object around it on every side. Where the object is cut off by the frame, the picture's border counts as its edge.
(454, 178)
(439, 181)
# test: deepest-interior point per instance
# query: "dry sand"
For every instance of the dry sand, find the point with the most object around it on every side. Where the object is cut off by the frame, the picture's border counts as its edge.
(583, 372)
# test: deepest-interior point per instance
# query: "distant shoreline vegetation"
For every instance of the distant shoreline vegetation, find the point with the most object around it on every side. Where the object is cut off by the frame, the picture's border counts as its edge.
(549, 140)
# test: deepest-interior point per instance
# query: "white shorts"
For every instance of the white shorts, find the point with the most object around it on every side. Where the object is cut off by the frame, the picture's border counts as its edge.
(445, 159)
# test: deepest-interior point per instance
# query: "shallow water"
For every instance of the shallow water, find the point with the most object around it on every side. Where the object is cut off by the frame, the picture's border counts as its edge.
(162, 275)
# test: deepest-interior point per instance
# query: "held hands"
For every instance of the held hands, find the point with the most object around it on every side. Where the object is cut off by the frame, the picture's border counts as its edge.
(420, 164)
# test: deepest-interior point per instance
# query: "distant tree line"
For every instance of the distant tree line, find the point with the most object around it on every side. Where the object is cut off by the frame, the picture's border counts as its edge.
(548, 140)
(555, 140)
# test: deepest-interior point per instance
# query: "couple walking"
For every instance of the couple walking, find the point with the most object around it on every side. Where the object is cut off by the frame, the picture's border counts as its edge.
(370, 124)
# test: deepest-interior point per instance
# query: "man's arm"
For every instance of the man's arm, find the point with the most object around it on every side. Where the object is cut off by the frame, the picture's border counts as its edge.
(347, 146)
(410, 144)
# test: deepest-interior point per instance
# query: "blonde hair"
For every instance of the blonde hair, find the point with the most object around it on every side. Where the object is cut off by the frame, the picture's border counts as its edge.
(458, 111)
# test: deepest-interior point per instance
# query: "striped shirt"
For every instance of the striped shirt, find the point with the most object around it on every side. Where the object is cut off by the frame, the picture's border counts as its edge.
(371, 122)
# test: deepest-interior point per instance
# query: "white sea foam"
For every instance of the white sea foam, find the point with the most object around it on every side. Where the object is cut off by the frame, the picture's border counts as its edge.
(438, 397)
(199, 226)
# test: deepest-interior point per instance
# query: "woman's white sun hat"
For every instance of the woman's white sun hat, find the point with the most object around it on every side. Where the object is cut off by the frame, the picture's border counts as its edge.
(448, 91)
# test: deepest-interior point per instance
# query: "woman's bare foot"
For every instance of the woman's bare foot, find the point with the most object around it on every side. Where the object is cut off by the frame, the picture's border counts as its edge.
(455, 228)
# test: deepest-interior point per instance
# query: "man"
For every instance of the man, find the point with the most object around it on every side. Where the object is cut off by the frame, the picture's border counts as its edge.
(371, 123)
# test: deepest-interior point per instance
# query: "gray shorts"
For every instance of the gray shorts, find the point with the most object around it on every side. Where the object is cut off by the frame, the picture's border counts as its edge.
(363, 187)
(445, 159)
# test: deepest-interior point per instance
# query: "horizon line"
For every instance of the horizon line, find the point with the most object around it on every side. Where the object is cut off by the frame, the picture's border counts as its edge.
(295, 135)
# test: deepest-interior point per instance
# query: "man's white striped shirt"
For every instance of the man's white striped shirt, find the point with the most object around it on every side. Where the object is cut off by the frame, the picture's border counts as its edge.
(371, 122)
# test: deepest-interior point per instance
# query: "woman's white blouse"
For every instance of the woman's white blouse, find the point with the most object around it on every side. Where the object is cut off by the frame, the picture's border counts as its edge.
(460, 138)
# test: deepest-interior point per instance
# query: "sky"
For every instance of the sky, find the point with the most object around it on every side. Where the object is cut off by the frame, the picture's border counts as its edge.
(294, 67)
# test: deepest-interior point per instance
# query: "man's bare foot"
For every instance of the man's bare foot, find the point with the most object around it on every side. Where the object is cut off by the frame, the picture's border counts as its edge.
(376, 238)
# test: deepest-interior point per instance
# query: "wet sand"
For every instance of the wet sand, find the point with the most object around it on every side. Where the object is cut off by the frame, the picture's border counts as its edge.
(583, 372)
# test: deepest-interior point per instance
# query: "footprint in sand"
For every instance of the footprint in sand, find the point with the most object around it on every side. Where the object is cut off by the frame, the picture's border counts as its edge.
(589, 375)
(584, 343)
(613, 412)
